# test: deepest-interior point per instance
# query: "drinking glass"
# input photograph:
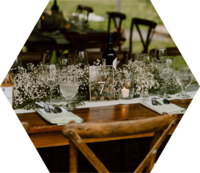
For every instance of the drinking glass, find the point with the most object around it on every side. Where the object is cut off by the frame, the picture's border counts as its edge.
(138, 56)
(50, 75)
(167, 72)
(160, 52)
(65, 60)
(184, 79)
(14, 65)
(69, 88)
(81, 57)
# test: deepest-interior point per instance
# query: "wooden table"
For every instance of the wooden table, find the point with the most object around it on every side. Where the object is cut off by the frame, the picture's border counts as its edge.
(44, 134)
(45, 41)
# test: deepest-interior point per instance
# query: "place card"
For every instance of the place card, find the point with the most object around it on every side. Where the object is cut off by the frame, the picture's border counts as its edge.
(101, 83)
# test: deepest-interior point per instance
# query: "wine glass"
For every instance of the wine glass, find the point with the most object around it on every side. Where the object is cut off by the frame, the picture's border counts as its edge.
(65, 60)
(184, 79)
(167, 72)
(146, 58)
(69, 88)
(160, 52)
(81, 57)
(51, 77)
(138, 56)
(17, 63)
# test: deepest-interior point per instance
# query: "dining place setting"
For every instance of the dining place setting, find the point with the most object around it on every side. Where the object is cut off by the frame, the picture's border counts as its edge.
(59, 88)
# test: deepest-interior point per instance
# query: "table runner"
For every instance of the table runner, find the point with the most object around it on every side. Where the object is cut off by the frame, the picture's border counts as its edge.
(88, 104)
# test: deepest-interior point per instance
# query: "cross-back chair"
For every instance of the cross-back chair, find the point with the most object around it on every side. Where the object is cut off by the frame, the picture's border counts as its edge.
(33, 57)
(88, 10)
(150, 32)
(76, 133)
(117, 18)
(122, 57)
(171, 51)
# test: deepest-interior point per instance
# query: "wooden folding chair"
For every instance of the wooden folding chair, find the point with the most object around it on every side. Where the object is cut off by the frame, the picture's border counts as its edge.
(88, 10)
(150, 32)
(117, 18)
(76, 133)
(122, 57)
(33, 57)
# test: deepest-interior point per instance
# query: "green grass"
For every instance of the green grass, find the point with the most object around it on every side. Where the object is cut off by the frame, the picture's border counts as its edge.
(132, 8)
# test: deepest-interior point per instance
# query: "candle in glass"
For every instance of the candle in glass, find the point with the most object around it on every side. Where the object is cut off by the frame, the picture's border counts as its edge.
(125, 93)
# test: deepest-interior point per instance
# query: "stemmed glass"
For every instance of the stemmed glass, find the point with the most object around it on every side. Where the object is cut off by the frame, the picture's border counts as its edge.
(17, 63)
(65, 60)
(167, 72)
(50, 75)
(69, 88)
(184, 78)
(81, 57)
(160, 52)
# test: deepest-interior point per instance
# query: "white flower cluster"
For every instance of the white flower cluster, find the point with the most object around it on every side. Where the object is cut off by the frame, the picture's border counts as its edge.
(28, 87)
(145, 76)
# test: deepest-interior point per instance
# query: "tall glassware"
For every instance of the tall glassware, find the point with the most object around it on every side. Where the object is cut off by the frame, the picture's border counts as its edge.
(184, 79)
(81, 57)
(69, 88)
(160, 52)
(51, 76)
(17, 63)
(167, 72)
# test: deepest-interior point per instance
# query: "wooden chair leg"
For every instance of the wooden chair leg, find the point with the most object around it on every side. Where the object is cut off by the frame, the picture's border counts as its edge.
(122, 153)
(55, 158)
(73, 158)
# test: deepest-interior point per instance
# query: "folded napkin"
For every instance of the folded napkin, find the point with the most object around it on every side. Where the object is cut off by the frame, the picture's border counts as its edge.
(60, 118)
(168, 108)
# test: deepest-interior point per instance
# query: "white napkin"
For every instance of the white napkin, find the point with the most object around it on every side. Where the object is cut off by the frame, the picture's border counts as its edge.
(168, 108)
(60, 118)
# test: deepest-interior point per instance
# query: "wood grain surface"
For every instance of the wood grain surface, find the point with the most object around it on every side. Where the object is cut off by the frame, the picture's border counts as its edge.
(44, 134)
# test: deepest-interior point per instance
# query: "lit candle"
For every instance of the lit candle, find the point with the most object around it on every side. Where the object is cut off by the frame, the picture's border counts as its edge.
(125, 93)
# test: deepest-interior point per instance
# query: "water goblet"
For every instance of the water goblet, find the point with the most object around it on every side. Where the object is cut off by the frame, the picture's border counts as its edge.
(14, 65)
(69, 88)
(81, 57)
(50, 75)
(167, 72)
(65, 60)
(184, 79)
(160, 52)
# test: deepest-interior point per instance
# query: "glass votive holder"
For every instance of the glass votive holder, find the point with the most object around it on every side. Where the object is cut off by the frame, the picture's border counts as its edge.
(127, 90)
(144, 94)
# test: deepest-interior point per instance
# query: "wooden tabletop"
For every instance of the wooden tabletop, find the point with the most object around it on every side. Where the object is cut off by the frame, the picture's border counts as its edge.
(44, 134)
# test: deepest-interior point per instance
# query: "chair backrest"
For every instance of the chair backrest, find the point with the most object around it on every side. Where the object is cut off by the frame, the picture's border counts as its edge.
(122, 57)
(33, 57)
(117, 18)
(151, 29)
(161, 125)
(171, 51)
(81, 8)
